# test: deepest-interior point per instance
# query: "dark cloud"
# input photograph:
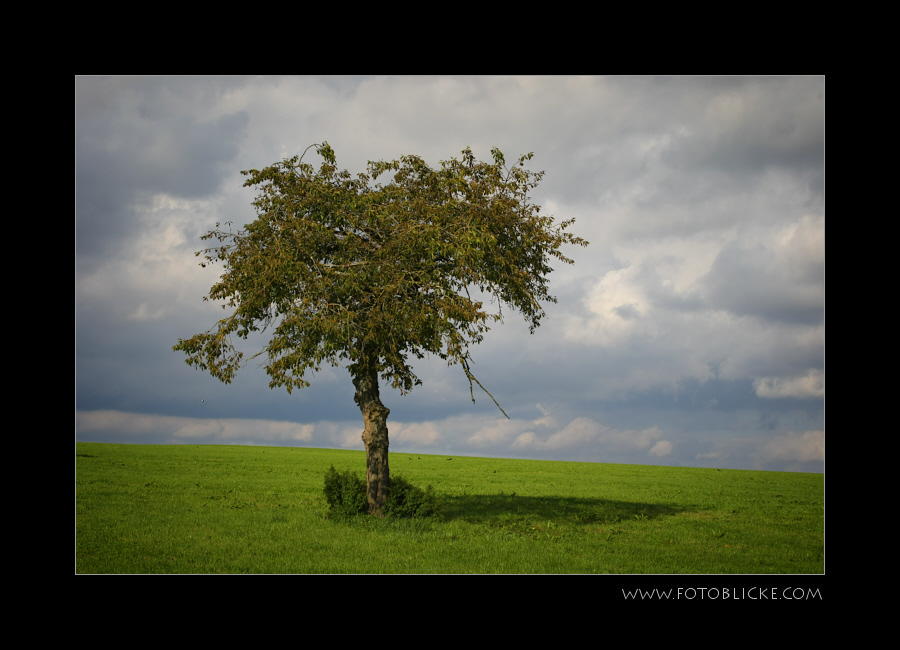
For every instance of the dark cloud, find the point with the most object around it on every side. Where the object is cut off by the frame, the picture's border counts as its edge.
(751, 282)
(131, 144)
(747, 125)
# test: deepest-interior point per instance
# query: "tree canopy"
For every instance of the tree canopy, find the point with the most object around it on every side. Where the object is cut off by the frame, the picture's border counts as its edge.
(347, 270)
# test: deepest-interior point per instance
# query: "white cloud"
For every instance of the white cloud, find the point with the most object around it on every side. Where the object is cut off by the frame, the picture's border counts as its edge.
(146, 313)
(154, 274)
(661, 449)
(808, 446)
(810, 385)
(617, 304)
(578, 433)
(527, 440)
(497, 432)
(344, 435)
(586, 434)
(174, 429)
(416, 433)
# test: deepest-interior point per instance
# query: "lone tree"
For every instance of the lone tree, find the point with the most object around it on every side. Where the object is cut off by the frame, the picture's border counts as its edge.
(349, 270)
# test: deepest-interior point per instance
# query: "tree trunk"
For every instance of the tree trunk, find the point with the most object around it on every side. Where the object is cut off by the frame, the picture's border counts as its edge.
(375, 436)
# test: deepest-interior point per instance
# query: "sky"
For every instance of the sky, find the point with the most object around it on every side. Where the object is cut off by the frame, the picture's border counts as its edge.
(690, 332)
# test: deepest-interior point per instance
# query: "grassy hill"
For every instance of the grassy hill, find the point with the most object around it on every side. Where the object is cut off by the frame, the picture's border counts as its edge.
(229, 509)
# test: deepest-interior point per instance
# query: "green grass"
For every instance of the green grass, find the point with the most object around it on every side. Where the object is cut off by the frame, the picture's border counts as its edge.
(228, 509)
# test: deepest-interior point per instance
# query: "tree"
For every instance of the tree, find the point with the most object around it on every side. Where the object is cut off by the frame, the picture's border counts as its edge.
(347, 270)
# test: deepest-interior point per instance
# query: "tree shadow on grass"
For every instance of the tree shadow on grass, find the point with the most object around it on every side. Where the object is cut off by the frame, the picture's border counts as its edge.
(497, 508)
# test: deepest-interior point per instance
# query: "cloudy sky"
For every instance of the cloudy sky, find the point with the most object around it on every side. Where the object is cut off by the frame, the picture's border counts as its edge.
(690, 332)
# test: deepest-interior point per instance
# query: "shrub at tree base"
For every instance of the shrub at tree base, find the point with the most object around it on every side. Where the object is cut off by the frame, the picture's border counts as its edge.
(405, 500)
(345, 493)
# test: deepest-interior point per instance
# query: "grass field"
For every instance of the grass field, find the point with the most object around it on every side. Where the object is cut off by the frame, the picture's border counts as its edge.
(229, 509)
